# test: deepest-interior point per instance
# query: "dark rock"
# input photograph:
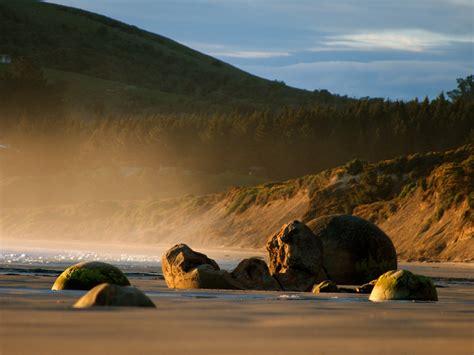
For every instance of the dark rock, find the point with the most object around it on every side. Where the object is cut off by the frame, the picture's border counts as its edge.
(86, 275)
(295, 256)
(403, 285)
(114, 296)
(366, 288)
(253, 274)
(185, 268)
(355, 250)
(326, 286)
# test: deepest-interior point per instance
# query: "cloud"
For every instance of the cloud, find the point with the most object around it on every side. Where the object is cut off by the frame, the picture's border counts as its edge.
(400, 79)
(404, 40)
(224, 51)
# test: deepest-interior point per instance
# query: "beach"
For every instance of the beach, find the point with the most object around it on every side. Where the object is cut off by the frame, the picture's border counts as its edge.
(35, 320)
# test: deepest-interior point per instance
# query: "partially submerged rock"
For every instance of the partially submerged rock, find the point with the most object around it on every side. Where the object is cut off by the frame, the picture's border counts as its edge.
(253, 274)
(366, 288)
(185, 268)
(403, 285)
(326, 286)
(295, 256)
(355, 250)
(108, 295)
(86, 275)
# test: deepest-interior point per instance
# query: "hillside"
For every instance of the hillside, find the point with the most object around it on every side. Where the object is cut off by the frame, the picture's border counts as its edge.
(424, 202)
(104, 64)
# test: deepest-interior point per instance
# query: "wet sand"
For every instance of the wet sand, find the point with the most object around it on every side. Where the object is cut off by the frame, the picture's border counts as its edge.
(34, 320)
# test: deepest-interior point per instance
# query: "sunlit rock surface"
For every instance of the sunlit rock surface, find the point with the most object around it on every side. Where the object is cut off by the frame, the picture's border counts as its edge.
(295, 257)
(86, 275)
(325, 287)
(108, 295)
(186, 268)
(403, 285)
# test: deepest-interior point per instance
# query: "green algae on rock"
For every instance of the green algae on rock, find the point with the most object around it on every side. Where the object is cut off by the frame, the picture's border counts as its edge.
(109, 295)
(86, 275)
(326, 286)
(403, 285)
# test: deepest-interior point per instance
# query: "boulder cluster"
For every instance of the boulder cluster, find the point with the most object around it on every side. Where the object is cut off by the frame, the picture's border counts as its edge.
(316, 257)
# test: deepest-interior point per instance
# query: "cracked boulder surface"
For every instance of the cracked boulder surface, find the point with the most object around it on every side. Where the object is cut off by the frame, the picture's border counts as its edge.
(356, 251)
(295, 257)
(185, 268)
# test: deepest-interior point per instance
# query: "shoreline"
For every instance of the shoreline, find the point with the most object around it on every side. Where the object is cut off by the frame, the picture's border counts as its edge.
(36, 320)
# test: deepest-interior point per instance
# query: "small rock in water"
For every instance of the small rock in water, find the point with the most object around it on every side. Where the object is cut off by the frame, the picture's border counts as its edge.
(326, 286)
(366, 288)
(108, 295)
(403, 285)
(86, 275)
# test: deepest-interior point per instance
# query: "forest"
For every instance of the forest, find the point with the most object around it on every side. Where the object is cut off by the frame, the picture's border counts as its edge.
(280, 142)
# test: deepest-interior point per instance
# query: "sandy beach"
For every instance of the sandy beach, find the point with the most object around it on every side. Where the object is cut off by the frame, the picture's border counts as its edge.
(35, 320)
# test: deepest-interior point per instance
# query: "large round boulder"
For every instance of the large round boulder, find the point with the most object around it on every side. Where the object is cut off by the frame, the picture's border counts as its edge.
(356, 251)
(403, 285)
(253, 274)
(186, 268)
(86, 275)
(295, 257)
(108, 295)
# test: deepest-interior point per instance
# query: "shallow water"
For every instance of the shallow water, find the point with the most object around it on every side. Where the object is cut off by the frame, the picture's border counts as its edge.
(46, 255)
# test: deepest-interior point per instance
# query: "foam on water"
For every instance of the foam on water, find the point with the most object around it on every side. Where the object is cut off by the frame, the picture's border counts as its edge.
(127, 256)
(63, 258)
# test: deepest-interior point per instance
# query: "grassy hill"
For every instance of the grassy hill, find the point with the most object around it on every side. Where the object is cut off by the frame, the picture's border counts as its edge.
(103, 63)
(424, 202)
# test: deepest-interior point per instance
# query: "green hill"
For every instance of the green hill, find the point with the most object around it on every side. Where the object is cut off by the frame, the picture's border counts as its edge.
(104, 63)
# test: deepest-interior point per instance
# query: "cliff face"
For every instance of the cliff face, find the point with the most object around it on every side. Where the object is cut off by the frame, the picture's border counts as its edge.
(425, 203)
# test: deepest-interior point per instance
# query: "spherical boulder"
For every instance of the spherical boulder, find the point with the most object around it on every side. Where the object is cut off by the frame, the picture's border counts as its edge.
(253, 274)
(403, 285)
(326, 286)
(186, 268)
(86, 275)
(295, 257)
(108, 295)
(355, 251)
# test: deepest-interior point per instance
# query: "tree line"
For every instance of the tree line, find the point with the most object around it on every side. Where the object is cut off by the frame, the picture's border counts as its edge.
(284, 143)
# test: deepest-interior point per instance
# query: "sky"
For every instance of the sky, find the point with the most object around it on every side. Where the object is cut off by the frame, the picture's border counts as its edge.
(392, 49)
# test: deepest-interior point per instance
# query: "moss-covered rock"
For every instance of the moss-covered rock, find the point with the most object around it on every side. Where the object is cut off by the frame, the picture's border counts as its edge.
(86, 275)
(108, 295)
(403, 285)
(355, 251)
(325, 287)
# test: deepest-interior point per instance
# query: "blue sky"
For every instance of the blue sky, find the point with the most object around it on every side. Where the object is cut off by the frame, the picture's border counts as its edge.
(394, 49)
